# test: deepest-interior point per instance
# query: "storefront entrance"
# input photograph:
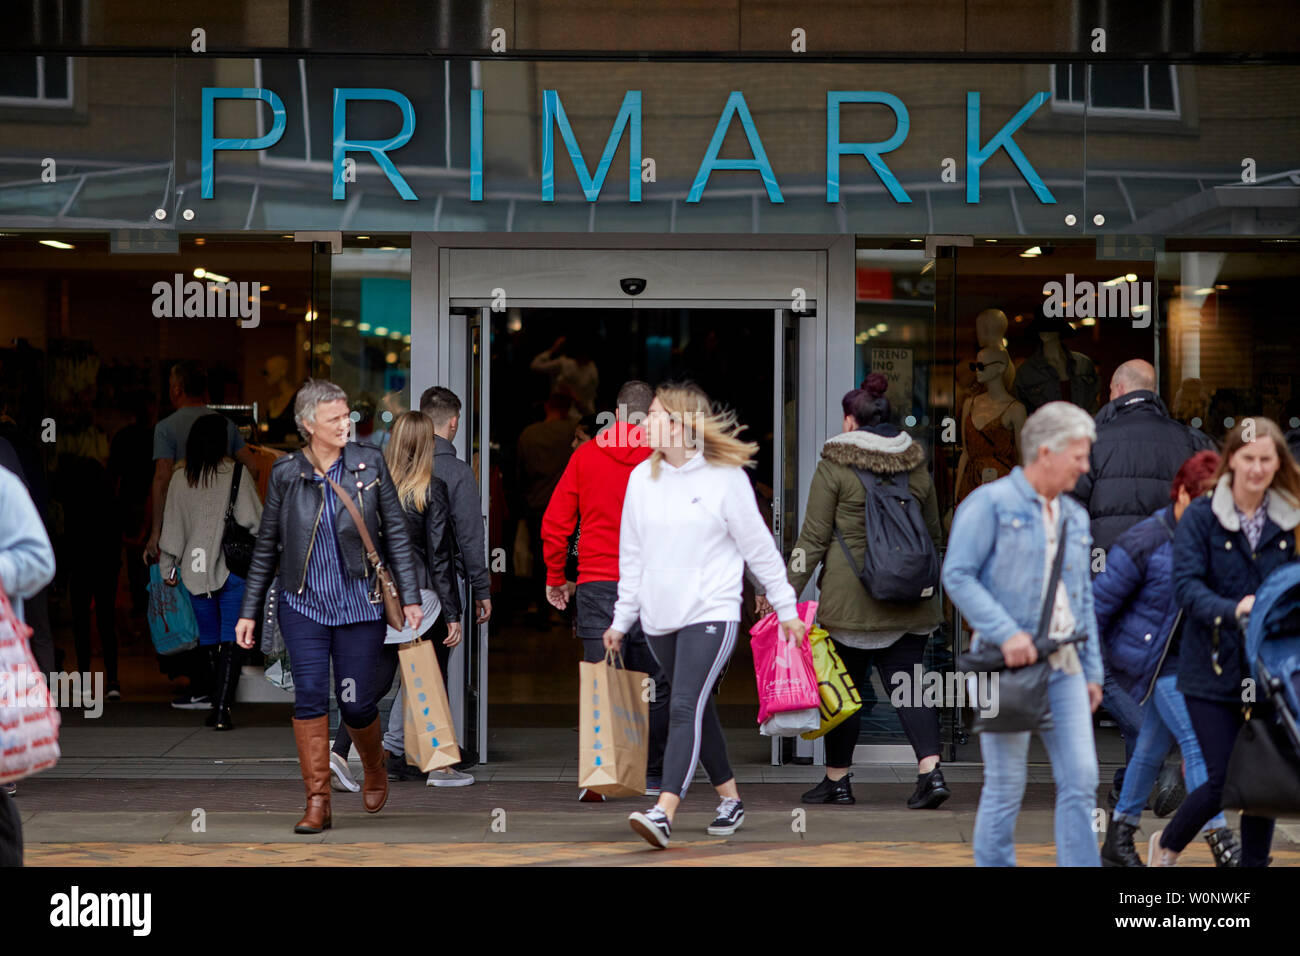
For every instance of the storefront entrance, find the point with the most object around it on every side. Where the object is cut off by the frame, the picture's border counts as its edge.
(745, 350)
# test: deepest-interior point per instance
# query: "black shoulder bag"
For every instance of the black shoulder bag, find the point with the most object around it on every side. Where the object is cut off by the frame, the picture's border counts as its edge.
(1018, 698)
(237, 541)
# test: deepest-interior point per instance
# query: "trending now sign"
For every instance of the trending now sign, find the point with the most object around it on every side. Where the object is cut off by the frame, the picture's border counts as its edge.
(626, 123)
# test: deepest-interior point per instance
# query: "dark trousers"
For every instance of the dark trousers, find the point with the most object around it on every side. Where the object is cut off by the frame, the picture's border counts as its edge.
(692, 659)
(36, 611)
(355, 650)
(1216, 724)
(921, 724)
(388, 662)
(11, 832)
(637, 657)
(95, 582)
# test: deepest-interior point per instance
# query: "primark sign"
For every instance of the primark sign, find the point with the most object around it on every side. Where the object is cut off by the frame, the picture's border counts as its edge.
(626, 124)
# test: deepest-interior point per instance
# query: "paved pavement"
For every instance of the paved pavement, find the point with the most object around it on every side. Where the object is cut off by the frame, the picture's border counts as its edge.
(149, 786)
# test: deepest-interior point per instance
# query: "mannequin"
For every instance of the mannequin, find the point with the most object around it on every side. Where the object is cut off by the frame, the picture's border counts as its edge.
(990, 426)
(279, 403)
(1054, 373)
(991, 331)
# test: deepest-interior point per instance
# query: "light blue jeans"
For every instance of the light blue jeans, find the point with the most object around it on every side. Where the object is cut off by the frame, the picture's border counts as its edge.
(1164, 720)
(1074, 768)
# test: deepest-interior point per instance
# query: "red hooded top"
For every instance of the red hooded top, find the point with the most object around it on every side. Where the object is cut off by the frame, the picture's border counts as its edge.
(592, 488)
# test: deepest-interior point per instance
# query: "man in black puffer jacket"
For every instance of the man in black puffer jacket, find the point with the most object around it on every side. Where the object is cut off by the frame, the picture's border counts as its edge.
(1138, 450)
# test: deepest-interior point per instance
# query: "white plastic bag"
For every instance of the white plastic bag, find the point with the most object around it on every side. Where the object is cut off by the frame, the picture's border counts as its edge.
(791, 723)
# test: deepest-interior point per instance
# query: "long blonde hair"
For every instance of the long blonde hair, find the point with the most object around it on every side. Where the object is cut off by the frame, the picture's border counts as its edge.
(1287, 478)
(409, 456)
(714, 431)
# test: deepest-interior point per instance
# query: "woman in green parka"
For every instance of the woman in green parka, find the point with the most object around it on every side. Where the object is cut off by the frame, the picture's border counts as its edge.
(890, 635)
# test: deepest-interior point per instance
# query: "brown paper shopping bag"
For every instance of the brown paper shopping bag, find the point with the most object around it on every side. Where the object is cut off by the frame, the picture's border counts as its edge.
(614, 731)
(430, 736)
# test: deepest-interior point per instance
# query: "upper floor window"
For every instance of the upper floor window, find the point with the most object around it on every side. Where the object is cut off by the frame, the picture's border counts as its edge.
(1116, 89)
(40, 81)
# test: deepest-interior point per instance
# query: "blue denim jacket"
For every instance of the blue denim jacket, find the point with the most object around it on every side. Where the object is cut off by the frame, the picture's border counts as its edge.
(994, 571)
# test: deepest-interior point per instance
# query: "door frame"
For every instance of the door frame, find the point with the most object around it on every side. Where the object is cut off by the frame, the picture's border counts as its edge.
(439, 261)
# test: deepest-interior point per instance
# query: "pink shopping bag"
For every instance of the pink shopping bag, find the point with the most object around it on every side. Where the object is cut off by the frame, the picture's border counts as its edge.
(786, 677)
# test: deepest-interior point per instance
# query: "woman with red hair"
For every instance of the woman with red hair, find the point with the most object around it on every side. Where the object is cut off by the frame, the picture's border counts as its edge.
(1138, 619)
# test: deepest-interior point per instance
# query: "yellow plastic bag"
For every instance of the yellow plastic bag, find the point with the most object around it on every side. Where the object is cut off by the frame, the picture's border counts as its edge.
(839, 698)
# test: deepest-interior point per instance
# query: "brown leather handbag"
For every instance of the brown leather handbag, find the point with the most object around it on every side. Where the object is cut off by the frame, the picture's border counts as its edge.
(384, 583)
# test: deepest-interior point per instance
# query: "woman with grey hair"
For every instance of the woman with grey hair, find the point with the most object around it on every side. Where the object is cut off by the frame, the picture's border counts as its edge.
(1002, 554)
(331, 609)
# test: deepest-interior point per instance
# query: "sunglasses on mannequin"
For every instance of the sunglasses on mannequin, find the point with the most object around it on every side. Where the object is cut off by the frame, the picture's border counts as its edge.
(981, 366)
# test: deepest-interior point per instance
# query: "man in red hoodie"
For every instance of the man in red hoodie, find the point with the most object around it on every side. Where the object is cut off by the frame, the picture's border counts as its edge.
(589, 499)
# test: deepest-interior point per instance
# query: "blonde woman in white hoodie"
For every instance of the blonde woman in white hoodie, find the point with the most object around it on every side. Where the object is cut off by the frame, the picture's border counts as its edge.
(690, 525)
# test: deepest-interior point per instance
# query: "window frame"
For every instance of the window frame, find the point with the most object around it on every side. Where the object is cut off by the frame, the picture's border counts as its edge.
(40, 101)
(1060, 105)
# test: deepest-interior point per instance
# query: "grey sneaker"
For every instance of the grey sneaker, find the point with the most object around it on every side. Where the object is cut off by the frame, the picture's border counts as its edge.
(446, 777)
(341, 778)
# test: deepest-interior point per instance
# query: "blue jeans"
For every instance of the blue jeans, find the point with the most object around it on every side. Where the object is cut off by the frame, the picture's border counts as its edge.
(355, 650)
(217, 613)
(1074, 768)
(1120, 705)
(1164, 720)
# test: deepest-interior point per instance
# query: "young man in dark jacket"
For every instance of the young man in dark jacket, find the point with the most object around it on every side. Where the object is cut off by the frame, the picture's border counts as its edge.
(591, 491)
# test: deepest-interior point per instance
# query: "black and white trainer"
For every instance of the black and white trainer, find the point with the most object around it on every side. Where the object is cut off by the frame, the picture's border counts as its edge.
(653, 826)
(731, 814)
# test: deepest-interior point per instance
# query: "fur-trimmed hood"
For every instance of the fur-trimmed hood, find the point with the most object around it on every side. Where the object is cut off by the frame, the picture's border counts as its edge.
(873, 452)
(1281, 509)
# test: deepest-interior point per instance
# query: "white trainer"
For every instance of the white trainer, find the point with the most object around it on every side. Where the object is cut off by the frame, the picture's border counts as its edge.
(446, 777)
(341, 778)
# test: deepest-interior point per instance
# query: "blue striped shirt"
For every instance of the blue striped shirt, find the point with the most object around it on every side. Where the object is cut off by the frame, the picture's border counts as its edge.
(331, 596)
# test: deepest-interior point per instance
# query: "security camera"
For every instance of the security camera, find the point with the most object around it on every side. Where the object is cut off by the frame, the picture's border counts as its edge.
(632, 286)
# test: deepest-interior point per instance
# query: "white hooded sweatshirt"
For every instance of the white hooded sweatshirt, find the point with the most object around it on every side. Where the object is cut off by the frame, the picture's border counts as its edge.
(684, 542)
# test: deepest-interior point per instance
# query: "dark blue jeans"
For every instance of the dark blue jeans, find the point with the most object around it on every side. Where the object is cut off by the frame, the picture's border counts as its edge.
(1127, 714)
(355, 650)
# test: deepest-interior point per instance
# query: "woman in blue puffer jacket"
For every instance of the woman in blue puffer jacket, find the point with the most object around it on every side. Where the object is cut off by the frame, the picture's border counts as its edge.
(1137, 618)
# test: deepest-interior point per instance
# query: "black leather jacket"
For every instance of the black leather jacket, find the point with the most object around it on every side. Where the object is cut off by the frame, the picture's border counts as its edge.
(431, 538)
(291, 515)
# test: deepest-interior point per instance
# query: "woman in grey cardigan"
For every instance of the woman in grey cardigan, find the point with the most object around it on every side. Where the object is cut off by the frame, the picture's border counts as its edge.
(194, 525)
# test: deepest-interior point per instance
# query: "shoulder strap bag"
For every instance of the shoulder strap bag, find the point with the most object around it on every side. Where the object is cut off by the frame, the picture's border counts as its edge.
(237, 542)
(387, 590)
(1020, 693)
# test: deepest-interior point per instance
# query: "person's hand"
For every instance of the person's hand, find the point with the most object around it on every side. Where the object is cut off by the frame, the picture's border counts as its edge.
(557, 597)
(1244, 606)
(793, 631)
(1018, 650)
(1094, 696)
(453, 634)
(414, 615)
(484, 610)
(570, 588)
(244, 629)
(762, 607)
(151, 548)
(613, 639)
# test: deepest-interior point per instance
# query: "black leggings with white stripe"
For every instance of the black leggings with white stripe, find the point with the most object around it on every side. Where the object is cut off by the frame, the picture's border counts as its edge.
(692, 659)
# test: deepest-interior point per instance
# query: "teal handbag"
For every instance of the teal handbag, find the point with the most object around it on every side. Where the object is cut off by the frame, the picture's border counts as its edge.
(172, 624)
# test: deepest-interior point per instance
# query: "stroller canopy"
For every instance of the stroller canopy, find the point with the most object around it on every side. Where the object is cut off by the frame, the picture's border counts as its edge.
(1273, 633)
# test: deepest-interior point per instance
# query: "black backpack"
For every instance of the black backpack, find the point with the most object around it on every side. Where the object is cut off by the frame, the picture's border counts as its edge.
(901, 563)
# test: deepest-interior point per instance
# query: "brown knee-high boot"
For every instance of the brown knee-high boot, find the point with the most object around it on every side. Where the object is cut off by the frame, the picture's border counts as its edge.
(313, 738)
(370, 747)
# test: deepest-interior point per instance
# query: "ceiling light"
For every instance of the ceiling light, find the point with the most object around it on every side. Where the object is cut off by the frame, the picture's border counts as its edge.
(310, 316)
(1205, 291)
(56, 244)
(200, 241)
(881, 327)
(363, 237)
(1031, 252)
(388, 248)
(265, 288)
(1131, 277)
(1088, 321)
(364, 326)
(381, 330)
(391, 358)
(914, 240)
(1221, 287)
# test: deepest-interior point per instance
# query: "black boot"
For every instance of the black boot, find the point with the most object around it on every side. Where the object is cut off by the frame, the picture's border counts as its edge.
(228, 666)
(1118, 850)
(832, 791)
(1223, 844)
(931, 790)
